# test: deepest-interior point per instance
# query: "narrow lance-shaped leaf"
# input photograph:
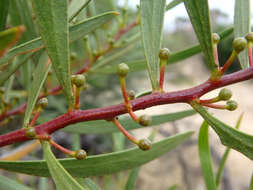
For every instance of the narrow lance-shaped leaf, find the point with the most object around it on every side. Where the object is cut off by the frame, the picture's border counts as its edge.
(9, 38)
(10, 69)
(63, 180)
(77, 31)
(172, 4)
(229, 136)
(108, 127)
(224, 157)
(198, 12)
(152, 14)
(20, 14)
(9, 184)
(242, 27)
(205, 157)
(90, 185)
(132, 178)
(76, 7)
(39, 77)
(52, 19)
(101, 164)
(4, 6)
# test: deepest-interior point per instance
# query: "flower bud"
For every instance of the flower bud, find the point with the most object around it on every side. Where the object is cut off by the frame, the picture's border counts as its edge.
(131, 94)
(239, 44)
(144, 144)
(30, 132)
(73, 56)
(225, 94)
(78, 80)
(216, 38)
(231, 105)
(80, 154)
(123, 69)
(43, 102)
(145, 120)
(164, 53)
(249, 37)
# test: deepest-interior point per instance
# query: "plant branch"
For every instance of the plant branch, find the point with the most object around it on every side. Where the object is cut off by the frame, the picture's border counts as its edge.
(108, 113)
(85, 68)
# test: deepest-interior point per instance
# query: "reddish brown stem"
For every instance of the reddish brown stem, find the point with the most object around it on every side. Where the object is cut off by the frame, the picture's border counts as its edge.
(125, 30)
(126, 99)
(107, 113)
(61, 148)
(215, 53)
(208, 101)
(125, 133)
(35, 118)
(77, 98)
(250, 54)
(162, 71)
(228, 62)
(216, 106)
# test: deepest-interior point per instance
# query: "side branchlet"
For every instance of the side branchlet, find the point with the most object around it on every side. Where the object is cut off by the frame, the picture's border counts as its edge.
(164, 55)
(78, 81)
(123, 70)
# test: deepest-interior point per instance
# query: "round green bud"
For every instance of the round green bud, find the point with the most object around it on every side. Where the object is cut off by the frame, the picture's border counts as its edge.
(249, 37)
(231, 105)
(111, 41)
(78, 80)
(131, 94)
(30, 132)
(73, 56)
(239, 44)
(145, 120)
(85, 38)
(216, 38)
(80, 154)
(43, 102)
(164, 53)
(144, 144)
(225, 94)
(123, 69)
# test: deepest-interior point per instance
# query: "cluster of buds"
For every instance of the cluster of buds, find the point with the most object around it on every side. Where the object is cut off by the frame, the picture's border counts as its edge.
(224, 95)
(239, 44)
(144, 120)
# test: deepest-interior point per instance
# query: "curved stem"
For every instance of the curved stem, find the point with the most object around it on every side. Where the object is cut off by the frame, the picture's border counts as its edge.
(108, 113)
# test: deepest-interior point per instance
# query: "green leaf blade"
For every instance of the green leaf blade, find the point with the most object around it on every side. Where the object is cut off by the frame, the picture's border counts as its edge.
(229, 136)
(198, 11)
(242, 27)
(9, 184)
(4, 6)
(101, 126)
(62, 178)
(90, 185)
(9, 38)
(100, 164)
(205, 157)
(52, 19)
(152, 14)
(77, 31)
(132, 179)
(39, 77)
(173, 4)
